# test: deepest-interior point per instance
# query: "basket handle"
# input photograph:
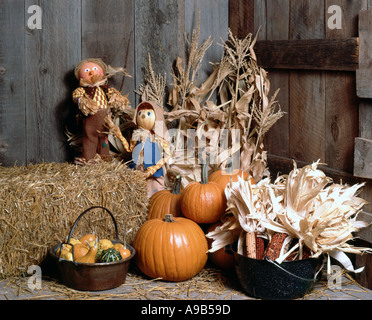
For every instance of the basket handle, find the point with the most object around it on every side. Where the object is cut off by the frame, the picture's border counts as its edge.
(77, 220)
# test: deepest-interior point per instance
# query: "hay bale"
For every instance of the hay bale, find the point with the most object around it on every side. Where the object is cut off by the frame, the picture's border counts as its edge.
(39, 204)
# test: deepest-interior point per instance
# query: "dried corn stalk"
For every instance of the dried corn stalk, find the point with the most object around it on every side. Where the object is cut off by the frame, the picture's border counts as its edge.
(154, 87)
(241, 88)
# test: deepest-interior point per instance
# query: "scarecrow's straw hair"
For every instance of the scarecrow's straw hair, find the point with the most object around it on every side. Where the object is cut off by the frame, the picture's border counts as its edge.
(39, 203)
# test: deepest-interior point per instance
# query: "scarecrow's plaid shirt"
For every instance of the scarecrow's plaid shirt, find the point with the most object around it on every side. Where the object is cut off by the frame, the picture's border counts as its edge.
(97, 94)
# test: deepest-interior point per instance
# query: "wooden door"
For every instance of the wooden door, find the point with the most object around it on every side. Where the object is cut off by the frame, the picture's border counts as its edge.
(314, 62)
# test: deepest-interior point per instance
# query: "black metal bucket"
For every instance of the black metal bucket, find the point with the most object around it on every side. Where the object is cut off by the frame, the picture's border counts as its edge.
(266, 279)
(92, 276)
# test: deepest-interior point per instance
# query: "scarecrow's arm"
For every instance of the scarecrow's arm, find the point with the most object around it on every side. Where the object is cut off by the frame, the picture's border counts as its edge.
(114, 129)
(78, 93)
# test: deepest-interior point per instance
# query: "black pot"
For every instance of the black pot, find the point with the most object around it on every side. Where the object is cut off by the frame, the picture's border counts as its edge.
(92, 276)
(267, 279)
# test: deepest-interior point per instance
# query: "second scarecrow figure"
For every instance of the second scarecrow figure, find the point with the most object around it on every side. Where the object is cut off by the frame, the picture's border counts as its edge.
(94, 98)
(150, 150)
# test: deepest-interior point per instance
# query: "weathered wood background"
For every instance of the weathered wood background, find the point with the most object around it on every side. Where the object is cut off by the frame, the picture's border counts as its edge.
(36, 65)
(324, 113)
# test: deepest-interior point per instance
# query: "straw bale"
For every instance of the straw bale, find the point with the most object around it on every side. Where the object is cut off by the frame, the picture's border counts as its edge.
(39, 204)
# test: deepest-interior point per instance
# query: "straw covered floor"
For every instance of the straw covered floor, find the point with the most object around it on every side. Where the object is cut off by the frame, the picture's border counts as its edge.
(39, 204)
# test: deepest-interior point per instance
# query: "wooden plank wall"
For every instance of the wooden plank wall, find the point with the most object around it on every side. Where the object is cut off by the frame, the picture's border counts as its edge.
(36, 65)
(322, 107)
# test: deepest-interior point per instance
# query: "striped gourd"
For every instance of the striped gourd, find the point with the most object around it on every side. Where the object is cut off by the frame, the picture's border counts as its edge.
(110, 255)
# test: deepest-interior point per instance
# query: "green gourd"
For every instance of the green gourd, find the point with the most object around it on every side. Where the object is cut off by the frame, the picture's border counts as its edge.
(110, 255)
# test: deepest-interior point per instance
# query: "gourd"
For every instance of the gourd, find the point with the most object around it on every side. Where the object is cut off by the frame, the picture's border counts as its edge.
(90, 257)
(109, 255)
(105, 244)
(74, 241)
(223, 177)
(88, 239)
(173, 248)
(205, 201)
(166, 202)
(65, 254)
(80, 250)
(124, 252)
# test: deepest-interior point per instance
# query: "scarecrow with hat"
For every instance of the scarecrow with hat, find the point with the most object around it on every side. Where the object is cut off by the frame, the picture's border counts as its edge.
(149, 148)
(95, 98)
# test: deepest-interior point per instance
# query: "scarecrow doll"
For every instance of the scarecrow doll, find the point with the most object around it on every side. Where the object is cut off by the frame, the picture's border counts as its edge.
(94, 98)
(150, 151)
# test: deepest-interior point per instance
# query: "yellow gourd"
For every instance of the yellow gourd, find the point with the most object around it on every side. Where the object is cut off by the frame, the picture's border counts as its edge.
(74, 241)
(65, 247)
(105, 244)
(65, 254)
(90, 257)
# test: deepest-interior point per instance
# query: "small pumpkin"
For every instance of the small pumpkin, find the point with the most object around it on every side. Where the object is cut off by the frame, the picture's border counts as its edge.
(219, 258)
(166, 202)
(223, 177)
(205, 201)
(109, 255)
(173, 248)
(124, 252)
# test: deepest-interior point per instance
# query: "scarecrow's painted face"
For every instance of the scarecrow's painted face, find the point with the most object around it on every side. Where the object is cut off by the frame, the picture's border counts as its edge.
(146, 118)
(91, 72)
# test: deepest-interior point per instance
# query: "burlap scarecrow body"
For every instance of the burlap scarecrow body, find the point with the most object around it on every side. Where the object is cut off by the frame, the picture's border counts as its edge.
(93, 97)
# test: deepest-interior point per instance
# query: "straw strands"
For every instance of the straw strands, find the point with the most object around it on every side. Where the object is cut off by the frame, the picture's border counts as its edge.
(39, 204)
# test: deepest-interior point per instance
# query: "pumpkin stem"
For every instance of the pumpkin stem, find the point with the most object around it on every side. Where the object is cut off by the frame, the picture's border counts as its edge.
(204, 171)
(169, 218)
(177, 185)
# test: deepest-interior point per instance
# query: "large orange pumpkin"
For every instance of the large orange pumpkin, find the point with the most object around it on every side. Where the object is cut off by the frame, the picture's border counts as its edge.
(205, 201)
(219, 258)
(223, 177)
(174, 249)
(166, 202)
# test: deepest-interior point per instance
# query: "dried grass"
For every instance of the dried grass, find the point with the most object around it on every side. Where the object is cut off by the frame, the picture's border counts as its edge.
(39, 204)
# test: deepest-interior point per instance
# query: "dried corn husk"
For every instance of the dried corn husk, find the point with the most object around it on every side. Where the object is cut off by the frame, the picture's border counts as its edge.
(249, 207)
(306, 205)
